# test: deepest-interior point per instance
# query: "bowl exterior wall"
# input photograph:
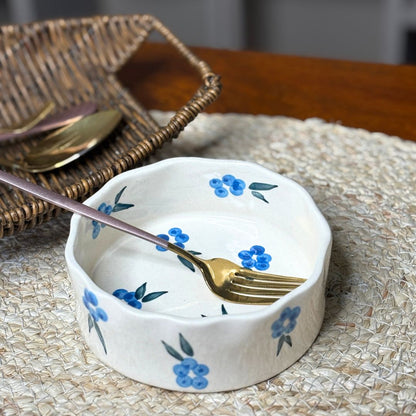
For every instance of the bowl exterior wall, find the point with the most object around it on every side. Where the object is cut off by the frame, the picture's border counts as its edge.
(238, 352)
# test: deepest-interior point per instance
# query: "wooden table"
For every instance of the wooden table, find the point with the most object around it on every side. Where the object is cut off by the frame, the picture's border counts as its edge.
(375, 97)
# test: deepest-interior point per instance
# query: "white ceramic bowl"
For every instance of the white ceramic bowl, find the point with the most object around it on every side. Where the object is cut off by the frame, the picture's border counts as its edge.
(165, 327)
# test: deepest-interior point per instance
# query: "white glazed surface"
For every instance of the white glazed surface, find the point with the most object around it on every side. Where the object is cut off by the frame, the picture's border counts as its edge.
(238, 345)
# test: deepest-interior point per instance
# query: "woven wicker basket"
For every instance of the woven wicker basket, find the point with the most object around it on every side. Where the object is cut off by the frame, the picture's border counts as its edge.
(73, 61)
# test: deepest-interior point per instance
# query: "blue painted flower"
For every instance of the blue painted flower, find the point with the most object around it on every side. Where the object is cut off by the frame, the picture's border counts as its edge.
(230, 184)
(95, 314)
(136, 298)
(255, 257)
(179, 237)
(189, 373)
(106, 209)
(91, 303)
(235, 186)
(285, 325)
(109, 209)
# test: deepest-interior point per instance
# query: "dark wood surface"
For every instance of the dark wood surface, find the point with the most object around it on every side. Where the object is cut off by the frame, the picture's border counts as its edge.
(375, 97)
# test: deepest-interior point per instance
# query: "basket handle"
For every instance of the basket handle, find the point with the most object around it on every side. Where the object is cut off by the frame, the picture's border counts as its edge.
(205, 95)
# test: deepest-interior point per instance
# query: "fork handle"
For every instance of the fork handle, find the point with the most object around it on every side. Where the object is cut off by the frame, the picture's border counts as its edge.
(79, 208)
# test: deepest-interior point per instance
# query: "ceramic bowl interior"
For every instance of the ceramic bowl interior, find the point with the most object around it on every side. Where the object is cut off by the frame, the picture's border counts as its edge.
(181, 206)
(214, 208)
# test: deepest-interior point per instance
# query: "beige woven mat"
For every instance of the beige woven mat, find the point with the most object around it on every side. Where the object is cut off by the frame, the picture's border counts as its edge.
(363, 361)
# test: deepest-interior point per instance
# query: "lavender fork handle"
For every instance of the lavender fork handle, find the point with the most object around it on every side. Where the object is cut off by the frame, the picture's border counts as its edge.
(79, 208)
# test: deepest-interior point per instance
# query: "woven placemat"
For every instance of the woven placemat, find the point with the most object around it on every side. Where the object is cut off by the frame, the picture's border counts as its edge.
(363, 361)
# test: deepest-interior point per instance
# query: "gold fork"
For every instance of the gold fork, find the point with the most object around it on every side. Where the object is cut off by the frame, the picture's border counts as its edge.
(239, 284)
(225, 278)
(31, 121)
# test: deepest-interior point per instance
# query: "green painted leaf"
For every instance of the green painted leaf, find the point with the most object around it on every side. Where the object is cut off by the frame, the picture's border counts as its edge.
(223, 310)
(187, 263)
(120, 207)
(118, 196)
(288, 340)
(153, 295)
(280, 344)
(90, 322)
(172, 351)
(140, 291)
(186, 346)
(259, 186)
(259, 196)
(100, 336)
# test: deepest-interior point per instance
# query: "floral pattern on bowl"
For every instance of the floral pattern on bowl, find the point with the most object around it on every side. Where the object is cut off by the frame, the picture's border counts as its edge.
(180, 240)
(109, 209)
(95, 314)
(189, 372)
(171, 331)
(230, 184)
(255, 257)
(282, 327)
(138, 297)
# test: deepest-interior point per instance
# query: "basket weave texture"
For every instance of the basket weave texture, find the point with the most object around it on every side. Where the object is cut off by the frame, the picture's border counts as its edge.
(74, 61)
